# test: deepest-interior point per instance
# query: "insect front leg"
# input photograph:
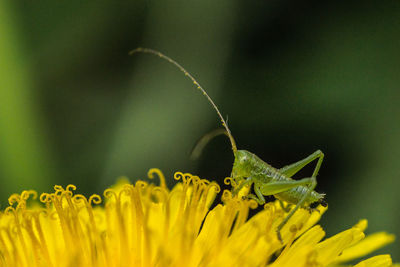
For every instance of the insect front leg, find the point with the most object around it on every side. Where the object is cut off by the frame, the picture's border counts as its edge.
(248, 181)
(259, 196)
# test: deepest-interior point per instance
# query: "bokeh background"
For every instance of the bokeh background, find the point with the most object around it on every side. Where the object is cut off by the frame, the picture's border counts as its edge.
(292, 76)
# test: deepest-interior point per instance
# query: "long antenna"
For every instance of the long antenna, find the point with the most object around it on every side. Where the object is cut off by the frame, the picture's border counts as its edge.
(170, 60)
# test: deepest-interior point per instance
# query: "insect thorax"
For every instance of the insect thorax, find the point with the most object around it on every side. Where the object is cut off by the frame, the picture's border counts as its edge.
(247, 164)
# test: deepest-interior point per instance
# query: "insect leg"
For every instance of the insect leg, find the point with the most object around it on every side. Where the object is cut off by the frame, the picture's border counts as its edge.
(311, 187)
(248, 181)
(259, 196)
(283, 207)
(291, 169)
(273, 188)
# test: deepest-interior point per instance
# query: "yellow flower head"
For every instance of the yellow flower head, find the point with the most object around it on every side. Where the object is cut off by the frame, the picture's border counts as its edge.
(148, 225)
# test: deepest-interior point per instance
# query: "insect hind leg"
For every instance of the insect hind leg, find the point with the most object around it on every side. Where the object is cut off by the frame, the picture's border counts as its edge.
(292, 169)
(310, 187)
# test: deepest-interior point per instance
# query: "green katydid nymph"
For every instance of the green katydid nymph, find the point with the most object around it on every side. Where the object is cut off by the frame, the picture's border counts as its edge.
(248, 169)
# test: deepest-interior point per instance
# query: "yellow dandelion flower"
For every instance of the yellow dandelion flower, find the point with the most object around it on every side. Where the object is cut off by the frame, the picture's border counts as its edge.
(148, 225)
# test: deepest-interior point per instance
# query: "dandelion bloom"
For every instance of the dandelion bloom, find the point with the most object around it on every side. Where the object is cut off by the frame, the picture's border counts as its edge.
(148, 225)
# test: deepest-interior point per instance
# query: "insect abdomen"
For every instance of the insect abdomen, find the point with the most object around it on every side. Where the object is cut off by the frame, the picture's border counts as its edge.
(294, 195)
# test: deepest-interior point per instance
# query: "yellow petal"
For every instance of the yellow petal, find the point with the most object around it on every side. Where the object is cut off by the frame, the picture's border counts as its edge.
(298, 259)
(366, 246)
(315, 216)
(301, 221)
(148, 225)
(377, 261)
(297, 254)
(362, 225)
(329, 249)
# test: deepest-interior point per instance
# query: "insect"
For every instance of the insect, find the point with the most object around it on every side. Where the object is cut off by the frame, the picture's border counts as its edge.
(248, 169)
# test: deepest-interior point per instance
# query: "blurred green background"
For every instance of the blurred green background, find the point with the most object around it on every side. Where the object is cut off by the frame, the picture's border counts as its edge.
(293, 76)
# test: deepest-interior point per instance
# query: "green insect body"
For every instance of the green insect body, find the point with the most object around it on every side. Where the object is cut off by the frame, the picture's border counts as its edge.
(249, 170)
(247, 164)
